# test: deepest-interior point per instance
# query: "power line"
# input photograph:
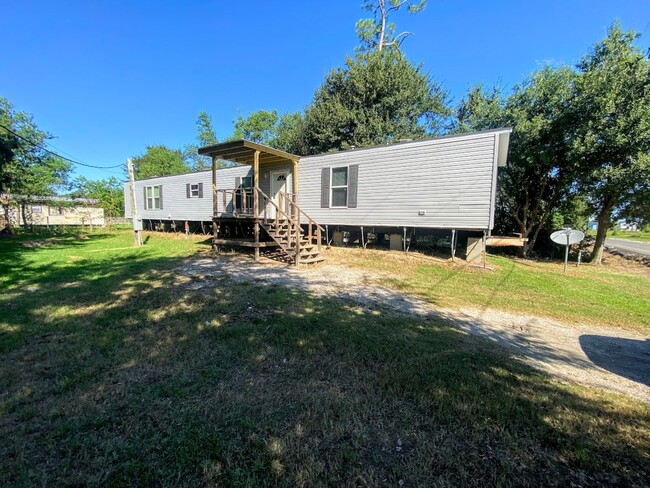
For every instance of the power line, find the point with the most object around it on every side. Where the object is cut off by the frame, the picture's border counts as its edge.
(40, 146)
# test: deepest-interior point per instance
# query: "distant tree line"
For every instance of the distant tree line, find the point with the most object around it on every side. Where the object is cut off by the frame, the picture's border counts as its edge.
(580, 144)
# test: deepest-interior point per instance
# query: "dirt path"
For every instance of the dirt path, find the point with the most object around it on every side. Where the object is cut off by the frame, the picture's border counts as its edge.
(602, 357)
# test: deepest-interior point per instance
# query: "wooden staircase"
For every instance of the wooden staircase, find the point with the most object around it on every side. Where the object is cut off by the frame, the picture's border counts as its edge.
(283, 233)
(302, 246)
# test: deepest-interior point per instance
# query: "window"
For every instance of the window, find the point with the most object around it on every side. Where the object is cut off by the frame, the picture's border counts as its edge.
(340, 187)
(57, 211)
(194, 190)
(152, 200)
(247, 182)
(36, 209)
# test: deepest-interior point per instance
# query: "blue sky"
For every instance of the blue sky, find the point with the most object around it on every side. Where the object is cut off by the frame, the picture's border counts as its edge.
(107, 78)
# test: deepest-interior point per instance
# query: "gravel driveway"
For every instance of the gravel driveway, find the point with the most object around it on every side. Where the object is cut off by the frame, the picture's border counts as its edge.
(602, 357)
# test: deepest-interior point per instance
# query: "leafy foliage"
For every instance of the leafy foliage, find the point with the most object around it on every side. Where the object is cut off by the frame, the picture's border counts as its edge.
(378, 97)
(613, 136)
(109, 192)
(260, 126)
(205, 137)
(541, 169)
(159, 161)
(267, 127)
(26, 167)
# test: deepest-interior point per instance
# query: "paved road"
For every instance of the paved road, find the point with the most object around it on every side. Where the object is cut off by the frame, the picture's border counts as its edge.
(623, 245)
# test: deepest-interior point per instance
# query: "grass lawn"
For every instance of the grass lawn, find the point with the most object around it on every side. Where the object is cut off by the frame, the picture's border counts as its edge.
(116, 371)
(640, 236)
(617, 294)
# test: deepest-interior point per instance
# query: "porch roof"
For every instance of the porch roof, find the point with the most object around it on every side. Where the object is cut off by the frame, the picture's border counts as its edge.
(243, 152)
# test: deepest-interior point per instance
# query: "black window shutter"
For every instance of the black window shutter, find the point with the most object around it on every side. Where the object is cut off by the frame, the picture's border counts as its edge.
(200, 190)
(160, 195)
(325, 188)
(188, 190)
(353, 183)
(145, 198)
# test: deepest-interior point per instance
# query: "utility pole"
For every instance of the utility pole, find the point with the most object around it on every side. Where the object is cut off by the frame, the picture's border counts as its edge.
(134, 209)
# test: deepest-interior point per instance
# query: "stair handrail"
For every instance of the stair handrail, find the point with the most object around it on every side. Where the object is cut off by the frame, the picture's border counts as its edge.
(295, 225)
(310, 222)
(287, 195)
(270, 200)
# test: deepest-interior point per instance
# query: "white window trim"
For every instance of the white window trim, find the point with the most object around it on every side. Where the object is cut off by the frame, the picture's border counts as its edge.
(152, 198)
(347, 186)
(194, 190)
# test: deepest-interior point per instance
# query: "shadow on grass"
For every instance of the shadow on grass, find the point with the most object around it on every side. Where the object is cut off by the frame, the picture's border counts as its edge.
(133, 374)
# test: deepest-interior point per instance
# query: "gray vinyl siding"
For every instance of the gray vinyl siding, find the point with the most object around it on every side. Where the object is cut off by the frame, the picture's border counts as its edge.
(450, 179)
(176, 205)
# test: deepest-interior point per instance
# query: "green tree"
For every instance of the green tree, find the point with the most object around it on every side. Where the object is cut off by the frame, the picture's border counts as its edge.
(481, 109)
(541, 168)
(289, 133)
(260, 126)
(159, 161)
(613, 137)
(378, 32)
(267, 127)
(109, 192)
(27, 168)
(205, 137)
(378, 97)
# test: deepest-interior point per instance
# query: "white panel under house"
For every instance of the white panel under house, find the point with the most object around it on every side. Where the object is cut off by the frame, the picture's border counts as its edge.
(389, 193)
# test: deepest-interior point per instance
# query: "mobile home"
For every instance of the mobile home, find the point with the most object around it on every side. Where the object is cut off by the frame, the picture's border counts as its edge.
(49, 211)
(282, 200)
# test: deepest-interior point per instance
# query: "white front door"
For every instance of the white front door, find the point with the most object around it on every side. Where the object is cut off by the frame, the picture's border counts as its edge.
(278, 184)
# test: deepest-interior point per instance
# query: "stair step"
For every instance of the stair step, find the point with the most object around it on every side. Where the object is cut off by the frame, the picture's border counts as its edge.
(317, 259)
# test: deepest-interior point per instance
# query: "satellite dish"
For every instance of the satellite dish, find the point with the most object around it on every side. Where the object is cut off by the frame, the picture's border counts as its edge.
(566, 237)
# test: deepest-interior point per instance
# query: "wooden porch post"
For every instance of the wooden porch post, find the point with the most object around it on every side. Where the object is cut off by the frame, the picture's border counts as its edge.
(215, 202)
(256, 184)
(296, 213)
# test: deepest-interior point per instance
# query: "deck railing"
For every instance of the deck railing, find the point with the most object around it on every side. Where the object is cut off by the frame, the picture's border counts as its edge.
(241, 202)
(239, 199)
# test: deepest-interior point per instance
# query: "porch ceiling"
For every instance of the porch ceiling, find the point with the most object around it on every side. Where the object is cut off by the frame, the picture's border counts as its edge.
(243, 152)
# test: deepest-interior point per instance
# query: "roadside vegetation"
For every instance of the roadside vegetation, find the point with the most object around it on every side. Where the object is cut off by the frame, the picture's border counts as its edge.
(641, 236)
(117, 370)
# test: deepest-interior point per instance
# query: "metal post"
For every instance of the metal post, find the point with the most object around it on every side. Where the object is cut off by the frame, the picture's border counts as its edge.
(566, 252)
(484, 249)
(404, 240)
(453, 244)
(134, 209)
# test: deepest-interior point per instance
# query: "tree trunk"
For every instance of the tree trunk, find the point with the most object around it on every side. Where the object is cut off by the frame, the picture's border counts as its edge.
(604, 219)
(24, 212)
(382, 32)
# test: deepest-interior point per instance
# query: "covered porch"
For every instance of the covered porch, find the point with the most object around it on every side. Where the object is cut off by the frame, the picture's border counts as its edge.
(261, 208)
